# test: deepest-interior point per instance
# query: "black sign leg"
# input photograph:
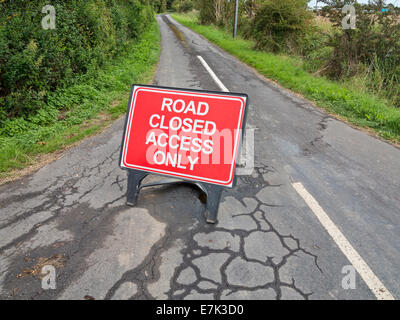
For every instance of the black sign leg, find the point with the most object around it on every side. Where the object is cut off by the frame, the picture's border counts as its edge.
(214, 194)
(134, 180)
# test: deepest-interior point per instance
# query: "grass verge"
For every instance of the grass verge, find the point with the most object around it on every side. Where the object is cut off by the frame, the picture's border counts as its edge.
(357, 107)
(80, 110)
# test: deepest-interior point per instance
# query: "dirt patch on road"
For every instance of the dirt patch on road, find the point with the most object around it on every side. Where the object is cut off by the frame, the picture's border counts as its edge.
(56, 260)
(179, 35)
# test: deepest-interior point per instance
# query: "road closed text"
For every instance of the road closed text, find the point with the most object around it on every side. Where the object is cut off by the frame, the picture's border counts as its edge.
(177, 133)
(187, 140)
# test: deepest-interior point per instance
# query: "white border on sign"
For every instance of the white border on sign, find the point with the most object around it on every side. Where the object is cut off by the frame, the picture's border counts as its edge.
(124, 163)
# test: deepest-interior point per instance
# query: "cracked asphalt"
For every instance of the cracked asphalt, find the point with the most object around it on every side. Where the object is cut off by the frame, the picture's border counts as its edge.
(268, 244)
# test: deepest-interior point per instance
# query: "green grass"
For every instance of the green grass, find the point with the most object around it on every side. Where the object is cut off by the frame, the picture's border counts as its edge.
(87, 106)
(360, 108)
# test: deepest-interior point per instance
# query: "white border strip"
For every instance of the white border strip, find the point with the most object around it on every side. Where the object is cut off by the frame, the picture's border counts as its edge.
(213, 75)
(372, 281)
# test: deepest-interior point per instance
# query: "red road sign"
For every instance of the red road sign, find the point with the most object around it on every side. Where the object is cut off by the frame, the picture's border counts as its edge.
(189, 134)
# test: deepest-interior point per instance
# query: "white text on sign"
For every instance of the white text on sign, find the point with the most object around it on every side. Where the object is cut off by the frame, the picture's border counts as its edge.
(176, 143)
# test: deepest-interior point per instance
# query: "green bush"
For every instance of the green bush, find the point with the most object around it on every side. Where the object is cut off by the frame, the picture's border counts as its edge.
(314, 51)
(206, 11)
(99, 90)
(182, 5)
(372, 48)
(281, 25)
(34, 62)
(159, 5)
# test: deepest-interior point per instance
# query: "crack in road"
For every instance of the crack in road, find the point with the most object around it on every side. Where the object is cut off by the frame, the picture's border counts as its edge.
(194, 251)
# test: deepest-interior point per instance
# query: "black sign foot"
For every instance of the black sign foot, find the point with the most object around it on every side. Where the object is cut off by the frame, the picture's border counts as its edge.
(212, 192)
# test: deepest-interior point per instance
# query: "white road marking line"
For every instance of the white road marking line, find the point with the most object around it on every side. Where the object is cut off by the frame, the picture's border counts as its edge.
(213, 75)
(352, 255)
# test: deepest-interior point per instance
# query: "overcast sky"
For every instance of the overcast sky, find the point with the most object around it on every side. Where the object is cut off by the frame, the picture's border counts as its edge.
(395, 2)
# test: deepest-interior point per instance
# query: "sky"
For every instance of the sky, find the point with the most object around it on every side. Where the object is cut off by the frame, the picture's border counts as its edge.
(395, 2)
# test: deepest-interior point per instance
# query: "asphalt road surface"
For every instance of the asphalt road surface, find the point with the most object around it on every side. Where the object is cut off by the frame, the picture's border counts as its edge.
(323, 198)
